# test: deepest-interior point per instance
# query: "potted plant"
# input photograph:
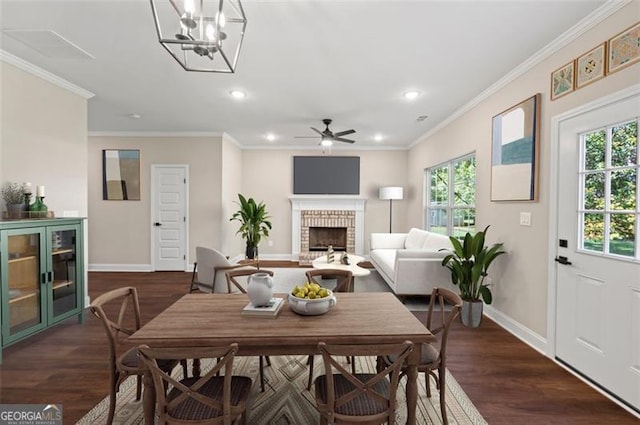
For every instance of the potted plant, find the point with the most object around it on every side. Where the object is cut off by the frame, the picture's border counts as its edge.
(254, 223)
(13, 196)
(469, 262)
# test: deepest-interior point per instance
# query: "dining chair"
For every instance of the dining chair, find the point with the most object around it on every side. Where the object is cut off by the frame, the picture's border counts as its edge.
(232, 279)
(209, 270)
(217, 398)
(344, 283)
(119, 311)
(444, 307)
(361, 398)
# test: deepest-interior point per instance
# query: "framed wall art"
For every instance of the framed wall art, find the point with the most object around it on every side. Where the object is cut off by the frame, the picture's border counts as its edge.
(624, 49)
(563, 80)
(590, 66)
(515, 152)
(121, 174)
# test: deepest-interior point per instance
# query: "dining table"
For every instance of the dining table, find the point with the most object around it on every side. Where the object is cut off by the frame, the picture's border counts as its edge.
(217, 320)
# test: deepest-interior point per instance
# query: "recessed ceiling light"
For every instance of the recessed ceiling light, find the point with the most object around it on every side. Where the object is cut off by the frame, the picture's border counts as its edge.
(271, 137)
(135, 116)
(378, 137)
(411, 94)
(237, 94)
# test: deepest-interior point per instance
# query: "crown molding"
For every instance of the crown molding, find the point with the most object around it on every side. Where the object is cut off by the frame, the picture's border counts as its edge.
(154, 134)
(590, 21)
(319, 148)
(226, 136)
(45, 75)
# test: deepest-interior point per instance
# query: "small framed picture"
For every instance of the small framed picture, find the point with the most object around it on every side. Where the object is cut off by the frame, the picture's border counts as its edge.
(624, 49)
(562, 80)
(590, 67)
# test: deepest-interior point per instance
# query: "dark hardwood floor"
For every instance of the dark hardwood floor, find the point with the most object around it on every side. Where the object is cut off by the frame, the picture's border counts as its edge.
(509, 382)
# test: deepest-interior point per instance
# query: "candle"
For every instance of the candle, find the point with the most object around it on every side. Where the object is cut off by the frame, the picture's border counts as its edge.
(40, 191)
(27, 188)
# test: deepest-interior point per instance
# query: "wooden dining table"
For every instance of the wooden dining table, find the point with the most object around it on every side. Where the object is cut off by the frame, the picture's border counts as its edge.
(215, 319)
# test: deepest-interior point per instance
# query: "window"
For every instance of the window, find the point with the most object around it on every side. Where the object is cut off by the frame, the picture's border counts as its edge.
(608, 209)
(451, 197)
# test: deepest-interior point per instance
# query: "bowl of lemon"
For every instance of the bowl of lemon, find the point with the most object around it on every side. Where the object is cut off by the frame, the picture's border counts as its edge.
(310, 299)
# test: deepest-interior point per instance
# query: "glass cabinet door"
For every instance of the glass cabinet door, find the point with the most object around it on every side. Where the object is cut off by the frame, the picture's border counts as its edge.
(64, 280)
(25, 283)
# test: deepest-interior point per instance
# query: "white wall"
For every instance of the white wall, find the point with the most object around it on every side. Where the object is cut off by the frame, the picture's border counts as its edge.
(43, 133)
(231, 186)
(121, 230)
(520, 278)
(268, 177)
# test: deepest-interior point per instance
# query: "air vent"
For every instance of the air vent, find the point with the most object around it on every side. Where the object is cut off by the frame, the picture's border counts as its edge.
(49, 43)
(422, 118)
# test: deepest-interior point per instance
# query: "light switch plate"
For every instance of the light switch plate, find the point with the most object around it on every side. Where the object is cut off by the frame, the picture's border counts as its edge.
(525, 219)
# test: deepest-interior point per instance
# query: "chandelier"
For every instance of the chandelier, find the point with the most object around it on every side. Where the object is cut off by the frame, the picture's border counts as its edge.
(202, 35)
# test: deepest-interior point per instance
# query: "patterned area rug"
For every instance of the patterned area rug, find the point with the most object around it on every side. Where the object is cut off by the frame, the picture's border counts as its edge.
(286, 400)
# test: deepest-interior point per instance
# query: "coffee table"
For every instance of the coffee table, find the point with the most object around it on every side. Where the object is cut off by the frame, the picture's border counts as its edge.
(357, 271)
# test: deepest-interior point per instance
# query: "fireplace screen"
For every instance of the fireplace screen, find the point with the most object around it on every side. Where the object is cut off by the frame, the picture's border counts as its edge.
(321, 237)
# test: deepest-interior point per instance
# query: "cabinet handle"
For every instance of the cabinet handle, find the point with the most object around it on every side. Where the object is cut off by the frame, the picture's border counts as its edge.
(50, 277)
(44, 278)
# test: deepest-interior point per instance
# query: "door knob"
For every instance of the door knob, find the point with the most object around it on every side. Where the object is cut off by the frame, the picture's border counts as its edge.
(157, 224)
(563, 260)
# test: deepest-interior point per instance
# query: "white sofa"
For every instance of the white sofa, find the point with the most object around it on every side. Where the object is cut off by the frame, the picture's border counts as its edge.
(410, 263)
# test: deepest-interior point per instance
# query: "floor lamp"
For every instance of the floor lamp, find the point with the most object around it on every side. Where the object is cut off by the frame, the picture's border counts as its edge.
(390, 193)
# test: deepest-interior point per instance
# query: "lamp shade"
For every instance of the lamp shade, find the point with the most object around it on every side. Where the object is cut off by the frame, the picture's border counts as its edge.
(391, 192)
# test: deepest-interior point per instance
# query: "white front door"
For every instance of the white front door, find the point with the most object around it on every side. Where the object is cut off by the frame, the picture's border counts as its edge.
(169, 217)
(598, 248)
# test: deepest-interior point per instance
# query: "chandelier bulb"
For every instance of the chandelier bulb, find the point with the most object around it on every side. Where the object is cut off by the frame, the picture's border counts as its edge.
(189, 7)
(211, 33)
(220, 19)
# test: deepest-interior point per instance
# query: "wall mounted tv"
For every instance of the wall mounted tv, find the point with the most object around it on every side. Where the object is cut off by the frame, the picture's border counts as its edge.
(326, 175)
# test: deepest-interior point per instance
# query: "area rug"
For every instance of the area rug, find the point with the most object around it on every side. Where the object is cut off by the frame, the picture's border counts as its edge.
(286, 400)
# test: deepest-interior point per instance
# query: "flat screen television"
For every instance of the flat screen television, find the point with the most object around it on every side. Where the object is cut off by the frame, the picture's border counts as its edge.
(326, 175)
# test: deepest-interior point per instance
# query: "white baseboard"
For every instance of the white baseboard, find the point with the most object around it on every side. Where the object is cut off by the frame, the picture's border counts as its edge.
(520, 331)
(120, 268)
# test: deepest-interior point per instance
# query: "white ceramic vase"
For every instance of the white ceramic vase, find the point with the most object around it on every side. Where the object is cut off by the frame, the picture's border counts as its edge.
(260, 289)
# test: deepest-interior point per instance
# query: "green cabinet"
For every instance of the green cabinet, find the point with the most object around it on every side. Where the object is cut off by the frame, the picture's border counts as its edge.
(42, 271)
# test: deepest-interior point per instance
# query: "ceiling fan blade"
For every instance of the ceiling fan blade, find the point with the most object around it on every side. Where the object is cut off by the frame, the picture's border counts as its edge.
(317, 131)
(339, 139)
(344, 133)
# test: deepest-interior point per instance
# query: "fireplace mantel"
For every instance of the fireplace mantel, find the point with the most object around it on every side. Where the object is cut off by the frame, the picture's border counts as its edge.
(327, 202)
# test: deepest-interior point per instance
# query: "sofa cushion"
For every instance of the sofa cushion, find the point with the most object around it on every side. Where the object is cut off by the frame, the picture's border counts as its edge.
(435, 242)
(415, 238)
(385, 259)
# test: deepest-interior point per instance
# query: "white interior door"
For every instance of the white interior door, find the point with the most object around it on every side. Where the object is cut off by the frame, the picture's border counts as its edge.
(169, 217)
(598, 258)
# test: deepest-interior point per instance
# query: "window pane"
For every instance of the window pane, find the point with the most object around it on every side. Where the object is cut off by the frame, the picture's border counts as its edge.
(594, 191)
(593, 232)
(623, 189)
(464, 220)
(622, 234)
(439, 186)
(438, 220)
(595, 149)
(624, 141)
(464, 181)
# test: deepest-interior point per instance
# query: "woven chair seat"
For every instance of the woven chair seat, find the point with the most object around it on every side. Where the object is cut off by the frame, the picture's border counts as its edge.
(130, 360)
(359, 406)
(191, 409)
(429, 355)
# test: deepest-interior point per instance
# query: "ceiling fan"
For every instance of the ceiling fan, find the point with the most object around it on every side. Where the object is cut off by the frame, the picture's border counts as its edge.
(327, 136)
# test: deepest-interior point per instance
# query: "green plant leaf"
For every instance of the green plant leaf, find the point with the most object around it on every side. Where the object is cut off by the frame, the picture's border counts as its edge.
(486, 294)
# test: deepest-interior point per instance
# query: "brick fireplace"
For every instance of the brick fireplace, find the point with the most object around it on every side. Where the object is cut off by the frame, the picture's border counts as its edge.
(319, 221)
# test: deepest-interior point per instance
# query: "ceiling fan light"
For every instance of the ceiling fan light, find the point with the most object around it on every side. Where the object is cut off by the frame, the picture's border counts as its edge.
(326, 143)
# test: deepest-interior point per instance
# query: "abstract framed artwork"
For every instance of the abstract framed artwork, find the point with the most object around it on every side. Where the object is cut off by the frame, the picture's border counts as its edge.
(562, 80)
(590, 66)
(121, 175)
(515, 152)
(624, 49)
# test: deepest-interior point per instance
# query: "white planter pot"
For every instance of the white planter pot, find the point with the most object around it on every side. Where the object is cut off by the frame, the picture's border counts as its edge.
(471, 313)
